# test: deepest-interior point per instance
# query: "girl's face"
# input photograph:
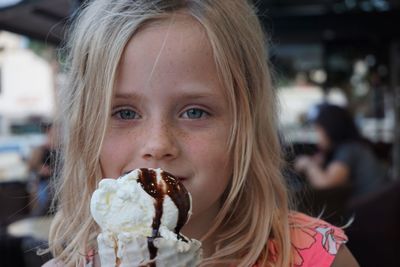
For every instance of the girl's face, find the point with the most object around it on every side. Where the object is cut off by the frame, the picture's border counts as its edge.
(169, 111)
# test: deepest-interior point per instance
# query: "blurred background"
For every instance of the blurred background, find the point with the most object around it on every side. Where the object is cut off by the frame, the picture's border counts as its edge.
(344, 53)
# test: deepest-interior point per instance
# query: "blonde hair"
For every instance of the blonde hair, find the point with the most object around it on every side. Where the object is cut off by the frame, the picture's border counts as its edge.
(255, 205)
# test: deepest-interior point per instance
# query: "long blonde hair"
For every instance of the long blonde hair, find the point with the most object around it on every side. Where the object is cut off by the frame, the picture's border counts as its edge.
(255, 205)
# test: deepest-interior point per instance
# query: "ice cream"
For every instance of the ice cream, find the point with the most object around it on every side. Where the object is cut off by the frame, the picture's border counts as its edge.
(140, 215)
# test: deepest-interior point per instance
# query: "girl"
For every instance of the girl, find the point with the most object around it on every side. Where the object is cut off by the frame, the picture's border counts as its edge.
(346, 158)
(182, 85)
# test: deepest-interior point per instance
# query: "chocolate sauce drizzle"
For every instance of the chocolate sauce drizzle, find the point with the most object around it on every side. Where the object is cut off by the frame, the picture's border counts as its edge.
(178, 194)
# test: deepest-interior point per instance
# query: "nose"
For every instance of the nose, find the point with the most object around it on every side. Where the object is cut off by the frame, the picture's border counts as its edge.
(159, 143)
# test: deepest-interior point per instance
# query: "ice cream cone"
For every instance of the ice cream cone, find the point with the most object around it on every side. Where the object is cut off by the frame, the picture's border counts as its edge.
(141, 214)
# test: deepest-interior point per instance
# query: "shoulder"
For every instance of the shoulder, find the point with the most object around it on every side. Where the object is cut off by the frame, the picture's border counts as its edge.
(348, 152)
(53, 263)
(314, 241)
(353, 147)
(344, 258)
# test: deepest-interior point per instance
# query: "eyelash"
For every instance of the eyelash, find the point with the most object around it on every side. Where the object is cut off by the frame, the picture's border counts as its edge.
(202, 112)
(119, 113)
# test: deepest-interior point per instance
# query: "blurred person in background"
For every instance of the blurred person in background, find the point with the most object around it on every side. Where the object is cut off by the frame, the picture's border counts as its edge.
(344, 159)
(41, 166)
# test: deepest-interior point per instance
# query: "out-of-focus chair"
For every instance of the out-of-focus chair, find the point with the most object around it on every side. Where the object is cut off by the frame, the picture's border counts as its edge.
(10, 251)
(375, 233)
(30, 247)
(14, 202)
(21, 251)
(34, 232)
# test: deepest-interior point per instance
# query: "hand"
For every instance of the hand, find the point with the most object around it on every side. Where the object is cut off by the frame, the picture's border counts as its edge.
(45, 170)
(302, 163)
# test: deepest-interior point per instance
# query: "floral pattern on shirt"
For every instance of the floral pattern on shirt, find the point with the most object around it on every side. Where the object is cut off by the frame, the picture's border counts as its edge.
(314, 242)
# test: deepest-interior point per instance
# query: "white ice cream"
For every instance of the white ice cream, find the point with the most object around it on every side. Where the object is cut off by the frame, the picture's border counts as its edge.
(125, 213)
(122, 206)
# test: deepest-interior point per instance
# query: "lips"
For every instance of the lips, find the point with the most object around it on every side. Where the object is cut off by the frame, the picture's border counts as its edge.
(179, 178)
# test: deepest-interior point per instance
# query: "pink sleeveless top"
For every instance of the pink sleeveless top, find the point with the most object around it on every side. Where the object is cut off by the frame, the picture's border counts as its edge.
(314, 241)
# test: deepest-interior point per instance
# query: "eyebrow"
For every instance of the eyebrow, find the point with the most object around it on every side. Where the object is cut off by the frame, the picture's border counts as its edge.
(189, 95)
(127, 96)
(181, 95)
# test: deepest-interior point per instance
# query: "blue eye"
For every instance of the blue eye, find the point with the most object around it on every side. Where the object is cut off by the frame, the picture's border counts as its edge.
(126, 114)
(194, 113)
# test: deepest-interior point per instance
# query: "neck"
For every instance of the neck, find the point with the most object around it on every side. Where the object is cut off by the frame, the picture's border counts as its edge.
(198, 226)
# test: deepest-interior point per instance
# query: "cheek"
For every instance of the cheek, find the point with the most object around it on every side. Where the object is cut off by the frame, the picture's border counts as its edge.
(114, 154)
(208, 189)
(210, 157)
(209, 150)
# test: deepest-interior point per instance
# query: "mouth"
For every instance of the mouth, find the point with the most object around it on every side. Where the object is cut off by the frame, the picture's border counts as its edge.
(180, 178)
(177, 177)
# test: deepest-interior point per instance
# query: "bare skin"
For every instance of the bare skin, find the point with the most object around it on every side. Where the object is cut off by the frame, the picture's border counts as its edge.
(344, 258)
(336, 174)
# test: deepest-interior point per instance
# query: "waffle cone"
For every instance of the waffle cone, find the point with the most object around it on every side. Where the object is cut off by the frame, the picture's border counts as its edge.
(178, 253)
(134, 252)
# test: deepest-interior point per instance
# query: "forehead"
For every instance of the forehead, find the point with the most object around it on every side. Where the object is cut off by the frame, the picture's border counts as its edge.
(182, 21)
(175, 49)
(177, 32)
